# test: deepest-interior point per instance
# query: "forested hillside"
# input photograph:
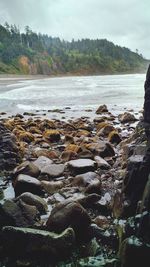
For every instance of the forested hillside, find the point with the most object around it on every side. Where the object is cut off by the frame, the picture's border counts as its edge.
(32, 53)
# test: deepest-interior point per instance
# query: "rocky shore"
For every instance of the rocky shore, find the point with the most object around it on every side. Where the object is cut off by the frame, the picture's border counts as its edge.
(68, 192)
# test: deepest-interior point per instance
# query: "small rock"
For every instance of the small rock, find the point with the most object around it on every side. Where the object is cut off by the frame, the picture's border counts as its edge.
(34, 200)
(79, 166)
(27, 168)
(26, 183)
(101, 109)
(52, 187)
(52, 135)
(42, 161)
(53, 170)
(126, 117)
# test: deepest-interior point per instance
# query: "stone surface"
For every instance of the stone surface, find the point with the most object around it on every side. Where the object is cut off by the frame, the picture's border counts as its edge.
(27, 168)
(10, 155)
(68, 214)
(37, 243)
(52, 135)
(17, 214)
(126, 117)
(26, 183)
(81, 165)
(101, 109)
(101, 163)
(51, 186)
(34, 200)
(42, 162)
(53, 170)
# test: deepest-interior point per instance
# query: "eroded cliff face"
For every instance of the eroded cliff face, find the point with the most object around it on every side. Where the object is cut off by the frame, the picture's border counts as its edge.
(42, 65)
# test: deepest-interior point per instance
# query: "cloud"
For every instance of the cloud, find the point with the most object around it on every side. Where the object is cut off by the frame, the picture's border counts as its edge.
(126, 23)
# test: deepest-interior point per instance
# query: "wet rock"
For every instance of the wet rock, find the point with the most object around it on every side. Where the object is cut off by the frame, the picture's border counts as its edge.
(26, 137)
(102, 222)
(106, 130)
(101, 148)
(95, 187)
(52, 187)
(68, 214)
(89, 201)
(52, 135)
(53, 170)
(114, 137)
(27, 168)
(79, 166)
(34, 200)
(101, 163)
(73, 148)
(17, 214)
(68, 155)
(26, 183)
(134, 251)
(126, 117)
(10, 155)
(101, 109)
(85, 179)
(41, 162)
(37, 243)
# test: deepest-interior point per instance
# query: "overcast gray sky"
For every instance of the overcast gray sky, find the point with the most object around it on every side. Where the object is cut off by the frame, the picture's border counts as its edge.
(125, 22)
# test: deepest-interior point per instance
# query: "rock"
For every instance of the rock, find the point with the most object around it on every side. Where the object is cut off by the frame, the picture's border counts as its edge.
(134, 252)
(101, 148)
(26, 183)
(47, 124)
(42, 161)
(114, 137)
(105, 131)
(52, 187)
(88, 201)
(79, 166)
(26, 137)
(10, 154)
(95, 187)
(85, 179)
(53, 170)
(27, 168)
(68, 214)
(101, 109)
(102, 222)
(34, 200)
(73, 148)
(68, 155)
(126, 117)
(52, 135)
(37, 244)
(101, 163)
(17, 214)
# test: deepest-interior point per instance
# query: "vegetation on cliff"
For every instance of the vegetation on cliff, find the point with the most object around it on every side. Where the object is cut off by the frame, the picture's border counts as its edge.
(32, 53)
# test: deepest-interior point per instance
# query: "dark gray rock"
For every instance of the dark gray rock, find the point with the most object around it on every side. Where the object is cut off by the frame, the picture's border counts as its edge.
(9, 151)
(37, 244)
(79, 166)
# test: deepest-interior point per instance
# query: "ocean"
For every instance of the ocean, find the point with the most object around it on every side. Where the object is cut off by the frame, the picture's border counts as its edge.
(74, 96)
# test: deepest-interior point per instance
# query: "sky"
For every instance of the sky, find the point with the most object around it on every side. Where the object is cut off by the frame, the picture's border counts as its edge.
(124, 22)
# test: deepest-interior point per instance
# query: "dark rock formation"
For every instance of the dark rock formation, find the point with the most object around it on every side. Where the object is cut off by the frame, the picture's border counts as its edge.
(9, 150)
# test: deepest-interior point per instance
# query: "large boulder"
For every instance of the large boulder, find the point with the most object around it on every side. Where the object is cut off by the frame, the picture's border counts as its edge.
(18, 214)
(68, 214)
(37, 244)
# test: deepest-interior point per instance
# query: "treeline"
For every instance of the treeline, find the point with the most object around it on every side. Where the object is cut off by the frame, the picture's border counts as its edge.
(50, 55)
